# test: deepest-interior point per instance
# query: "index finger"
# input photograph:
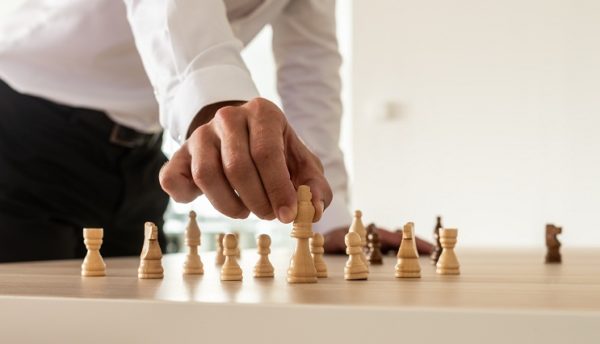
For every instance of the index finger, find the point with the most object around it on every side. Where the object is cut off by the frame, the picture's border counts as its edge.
(267, 148)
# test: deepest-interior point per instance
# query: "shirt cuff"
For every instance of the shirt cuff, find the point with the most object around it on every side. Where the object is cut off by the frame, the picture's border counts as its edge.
(204, 87)
(335, 216)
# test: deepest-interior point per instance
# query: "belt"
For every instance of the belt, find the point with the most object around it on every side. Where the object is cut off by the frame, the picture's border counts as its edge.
(117, 134)
(127, 137)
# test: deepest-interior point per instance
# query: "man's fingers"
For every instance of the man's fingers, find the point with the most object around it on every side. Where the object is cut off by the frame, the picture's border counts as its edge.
(232, 128)
(208, 175)
(176, 179)
(321, 194)
(424, 247)
(334, 241)
(266, 130)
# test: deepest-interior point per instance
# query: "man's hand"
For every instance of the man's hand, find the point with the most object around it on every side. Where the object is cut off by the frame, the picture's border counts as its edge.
(334, 241)
(246, 159)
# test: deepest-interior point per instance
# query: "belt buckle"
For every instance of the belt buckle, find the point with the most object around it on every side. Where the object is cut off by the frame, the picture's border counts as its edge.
(118, 139)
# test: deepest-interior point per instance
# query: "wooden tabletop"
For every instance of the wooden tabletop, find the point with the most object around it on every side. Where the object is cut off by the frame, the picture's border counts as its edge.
(516, 279)
(497, 289)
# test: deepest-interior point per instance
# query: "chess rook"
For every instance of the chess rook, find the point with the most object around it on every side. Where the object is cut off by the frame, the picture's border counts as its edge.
(150, 259)
(263, 267)
(93, 264)
(448, 263)
(358, 227)
(219, 257)
(302, 267)
(355, 268)
(193, 264)
(407, 265)
(231, 270)
(317, 251)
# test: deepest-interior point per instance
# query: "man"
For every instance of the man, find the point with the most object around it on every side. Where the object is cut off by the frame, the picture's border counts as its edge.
(87, 87)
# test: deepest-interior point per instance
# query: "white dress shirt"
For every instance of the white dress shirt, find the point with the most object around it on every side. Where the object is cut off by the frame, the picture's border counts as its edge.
(153, 64)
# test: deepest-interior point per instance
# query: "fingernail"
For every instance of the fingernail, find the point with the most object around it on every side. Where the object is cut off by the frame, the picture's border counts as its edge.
(322, 206)
(286, 214)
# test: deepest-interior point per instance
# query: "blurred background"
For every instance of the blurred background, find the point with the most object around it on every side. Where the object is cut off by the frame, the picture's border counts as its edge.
(485, 112)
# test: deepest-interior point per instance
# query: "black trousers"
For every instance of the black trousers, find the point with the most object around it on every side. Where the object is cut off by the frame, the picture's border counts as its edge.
(59, 173)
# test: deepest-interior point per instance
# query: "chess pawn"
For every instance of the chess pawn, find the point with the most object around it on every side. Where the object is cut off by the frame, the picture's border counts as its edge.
(263, 267)
(316, 249)
(355, 268)
(552, 244)
(448, 263)
(193, 264)
(437, 249)
(231, 270)
(408, 258)
(150, 259)
(219, 257)
(374, 256)
(358, 227)
(302, 267)
(93, 265)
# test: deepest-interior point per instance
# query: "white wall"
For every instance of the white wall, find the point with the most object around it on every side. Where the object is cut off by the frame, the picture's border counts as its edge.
(497, 117)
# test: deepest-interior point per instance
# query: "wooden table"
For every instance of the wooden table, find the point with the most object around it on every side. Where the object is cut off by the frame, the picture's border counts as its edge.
(500, 296)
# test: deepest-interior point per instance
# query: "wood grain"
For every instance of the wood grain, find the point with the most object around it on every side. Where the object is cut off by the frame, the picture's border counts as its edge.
(490, 279)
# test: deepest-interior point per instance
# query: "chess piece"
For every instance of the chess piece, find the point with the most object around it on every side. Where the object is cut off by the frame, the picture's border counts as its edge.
(302, 267)
(263, 267)
(238, 252)
(437, 249)
(552, 244)
(355, 268)
(93, 265)
(359, 228)
(448, 263)
(231, 270)
(370, 229)
(219, 257)
(193, 264)
(150, 259)
(316, 249)
(374, 256)
(408, 258)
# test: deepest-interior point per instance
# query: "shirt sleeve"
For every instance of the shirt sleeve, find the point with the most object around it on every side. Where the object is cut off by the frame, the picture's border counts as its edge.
(191, 57)
(308, 80)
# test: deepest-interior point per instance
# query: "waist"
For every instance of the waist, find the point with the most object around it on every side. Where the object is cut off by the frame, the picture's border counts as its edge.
(94, 120)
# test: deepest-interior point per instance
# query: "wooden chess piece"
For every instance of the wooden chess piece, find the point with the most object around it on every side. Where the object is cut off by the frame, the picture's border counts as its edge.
(193, 264)
(370, 229)
(407, 265)
(358, 227)
(263, 267)
(355, 268)
(93, 264)
(231, 270)
(219, 257)
(150, 259)
(448, 262)
(552, 244)
(302, 267)
(317, 251)
(437, 249)
(374, 256)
